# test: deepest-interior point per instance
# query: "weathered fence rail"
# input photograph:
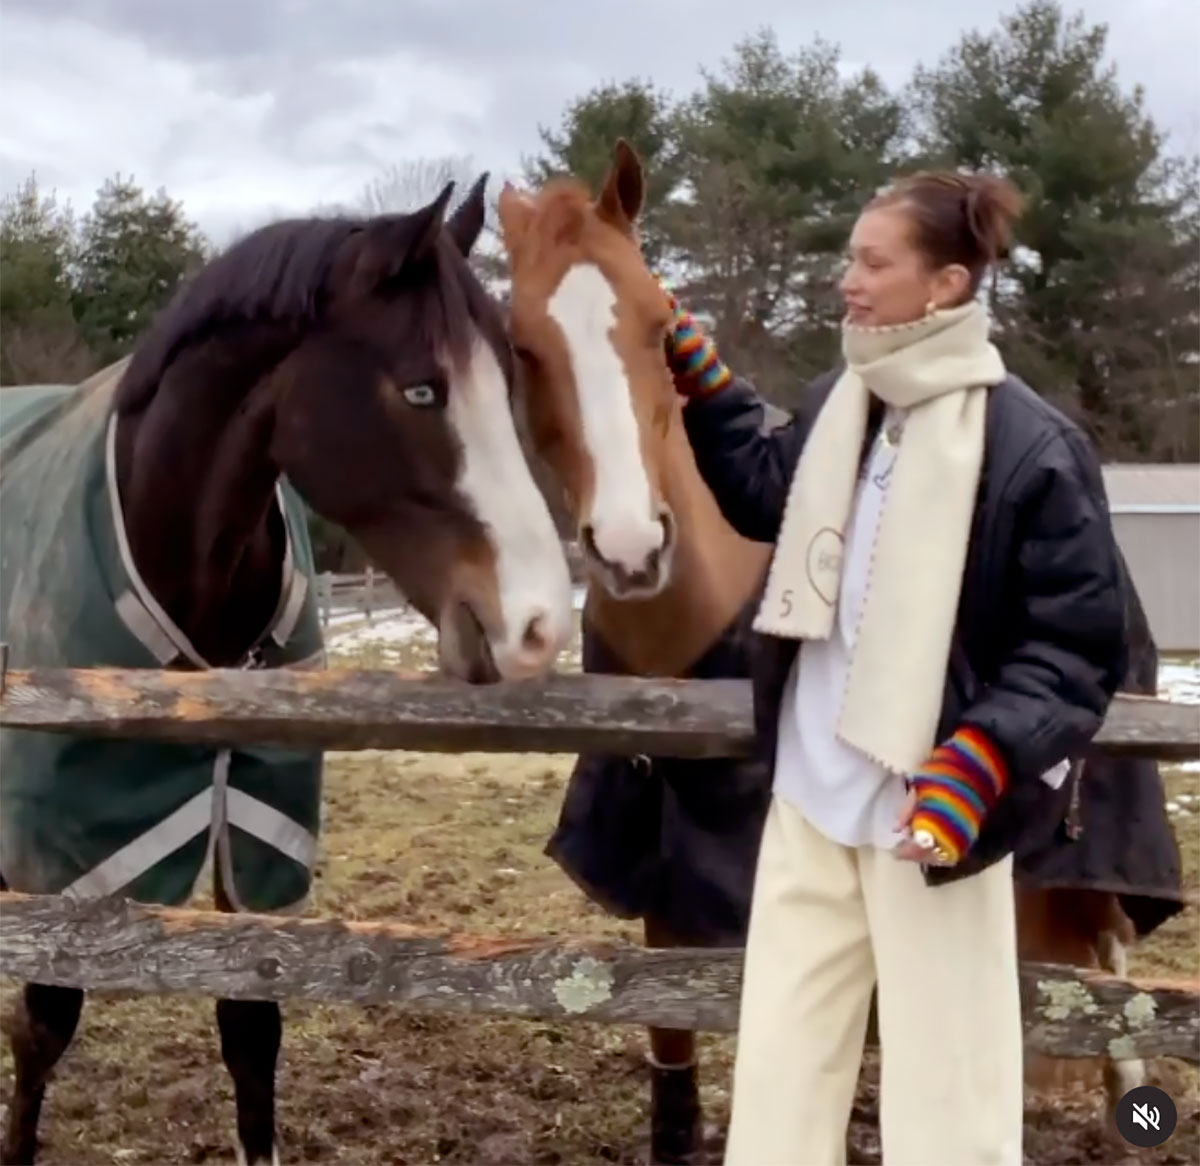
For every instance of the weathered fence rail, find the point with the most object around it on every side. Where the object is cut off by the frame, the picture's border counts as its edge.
(115, 945)
(348, 709)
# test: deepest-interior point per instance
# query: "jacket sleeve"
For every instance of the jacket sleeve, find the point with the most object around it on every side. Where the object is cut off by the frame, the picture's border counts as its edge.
(1050, 696)
(747, 463)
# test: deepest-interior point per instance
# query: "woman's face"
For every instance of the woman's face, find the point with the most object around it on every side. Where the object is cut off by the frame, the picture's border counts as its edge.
(887, 280)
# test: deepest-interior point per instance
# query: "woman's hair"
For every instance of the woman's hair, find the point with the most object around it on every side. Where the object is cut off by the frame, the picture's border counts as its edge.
(957, 218)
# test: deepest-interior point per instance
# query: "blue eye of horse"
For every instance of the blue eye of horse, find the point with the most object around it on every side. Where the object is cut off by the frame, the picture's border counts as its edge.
(422, 396)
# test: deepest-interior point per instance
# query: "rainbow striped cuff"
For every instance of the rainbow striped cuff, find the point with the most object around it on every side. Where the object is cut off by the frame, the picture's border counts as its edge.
(693, 358)
(962, 780)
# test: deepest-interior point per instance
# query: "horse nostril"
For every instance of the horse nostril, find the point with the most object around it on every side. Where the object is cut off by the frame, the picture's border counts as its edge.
(587, 536)
(667, 520)
(535, 640)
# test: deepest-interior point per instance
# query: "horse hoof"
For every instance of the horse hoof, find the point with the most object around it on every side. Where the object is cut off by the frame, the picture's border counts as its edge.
(258, 1159)
(676, 1123)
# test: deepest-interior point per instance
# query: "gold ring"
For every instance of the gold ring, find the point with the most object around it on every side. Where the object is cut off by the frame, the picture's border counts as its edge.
(926, 841)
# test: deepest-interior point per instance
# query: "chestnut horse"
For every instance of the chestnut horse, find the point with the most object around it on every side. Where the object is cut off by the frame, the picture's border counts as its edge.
(672, 586)
(356, 364)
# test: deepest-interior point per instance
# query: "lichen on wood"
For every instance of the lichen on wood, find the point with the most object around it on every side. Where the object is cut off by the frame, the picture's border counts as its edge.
(114, 945)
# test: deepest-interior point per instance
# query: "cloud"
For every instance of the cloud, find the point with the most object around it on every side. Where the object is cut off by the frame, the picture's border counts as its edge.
(248, 108)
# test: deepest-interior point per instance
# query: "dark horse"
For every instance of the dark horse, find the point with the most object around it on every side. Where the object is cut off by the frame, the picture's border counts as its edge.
(674, 842)
(154, 517)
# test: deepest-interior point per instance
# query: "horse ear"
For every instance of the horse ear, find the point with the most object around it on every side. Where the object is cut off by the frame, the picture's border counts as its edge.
(467, 221)
(515, 212)
(620, 201)
(394, 241)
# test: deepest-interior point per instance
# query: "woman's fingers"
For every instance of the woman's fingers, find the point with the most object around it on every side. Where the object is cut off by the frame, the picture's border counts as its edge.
(906, 811)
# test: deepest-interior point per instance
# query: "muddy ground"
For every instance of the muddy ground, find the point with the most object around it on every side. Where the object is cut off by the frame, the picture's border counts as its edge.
(455, 842)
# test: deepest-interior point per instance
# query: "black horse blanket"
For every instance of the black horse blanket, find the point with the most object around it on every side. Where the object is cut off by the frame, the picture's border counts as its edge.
(677, 840)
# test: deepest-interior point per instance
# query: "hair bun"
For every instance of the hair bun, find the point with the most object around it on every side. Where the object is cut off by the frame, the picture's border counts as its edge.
(993, 205)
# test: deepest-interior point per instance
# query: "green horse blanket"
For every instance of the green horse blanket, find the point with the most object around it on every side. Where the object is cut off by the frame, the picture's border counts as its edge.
(86, 817)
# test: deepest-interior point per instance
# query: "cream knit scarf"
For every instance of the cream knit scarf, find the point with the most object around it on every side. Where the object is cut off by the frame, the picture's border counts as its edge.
(935, 372)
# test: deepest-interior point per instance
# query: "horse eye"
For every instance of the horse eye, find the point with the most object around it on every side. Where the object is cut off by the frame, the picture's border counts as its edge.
(421, 396)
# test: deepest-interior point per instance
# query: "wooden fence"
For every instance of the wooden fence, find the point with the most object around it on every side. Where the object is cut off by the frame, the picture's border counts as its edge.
(366, 593)
(370, 592)
(116, 945)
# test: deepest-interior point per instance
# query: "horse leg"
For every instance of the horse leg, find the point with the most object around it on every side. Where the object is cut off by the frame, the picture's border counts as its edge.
(251, 1033)
(40, 1027)
(1054, 925)
(676, 1121)
(1086, 929)
(1119, 1075)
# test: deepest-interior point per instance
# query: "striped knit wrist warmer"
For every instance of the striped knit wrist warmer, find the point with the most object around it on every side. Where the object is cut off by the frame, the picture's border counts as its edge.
(693, 358)
(962, 780)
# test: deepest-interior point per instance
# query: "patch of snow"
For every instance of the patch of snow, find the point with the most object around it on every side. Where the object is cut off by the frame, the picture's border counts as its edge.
(402, 628)
(1179, 679)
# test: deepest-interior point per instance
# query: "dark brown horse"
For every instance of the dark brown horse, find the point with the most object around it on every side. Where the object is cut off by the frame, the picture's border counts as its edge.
(674, 842)
(357, 362)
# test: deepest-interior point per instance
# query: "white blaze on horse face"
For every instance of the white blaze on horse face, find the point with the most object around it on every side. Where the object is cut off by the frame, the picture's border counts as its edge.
(533, 579)
(625, 526)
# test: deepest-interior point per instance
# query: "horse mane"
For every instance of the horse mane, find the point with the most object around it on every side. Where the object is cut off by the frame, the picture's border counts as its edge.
(564, 190)
(275, 273)
(281, 274)
(454, 303)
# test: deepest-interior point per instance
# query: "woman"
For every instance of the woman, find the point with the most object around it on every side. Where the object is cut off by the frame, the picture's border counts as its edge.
(945, 555)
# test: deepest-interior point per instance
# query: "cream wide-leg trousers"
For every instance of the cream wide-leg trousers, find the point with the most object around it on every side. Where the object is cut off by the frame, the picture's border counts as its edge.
(826, 920)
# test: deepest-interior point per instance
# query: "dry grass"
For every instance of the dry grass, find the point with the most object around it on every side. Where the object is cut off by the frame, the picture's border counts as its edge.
(455, 842)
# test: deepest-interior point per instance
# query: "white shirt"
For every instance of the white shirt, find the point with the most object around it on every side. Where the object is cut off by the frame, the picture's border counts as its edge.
(844, 794)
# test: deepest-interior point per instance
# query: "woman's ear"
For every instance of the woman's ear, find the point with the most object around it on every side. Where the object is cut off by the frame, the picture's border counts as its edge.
(951, 286)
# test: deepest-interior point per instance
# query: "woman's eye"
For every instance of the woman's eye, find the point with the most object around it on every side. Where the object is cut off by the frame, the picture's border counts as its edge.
(422, 396)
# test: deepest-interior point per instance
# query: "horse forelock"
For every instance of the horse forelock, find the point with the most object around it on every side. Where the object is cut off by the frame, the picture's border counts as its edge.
(455, 311)
(563, 210)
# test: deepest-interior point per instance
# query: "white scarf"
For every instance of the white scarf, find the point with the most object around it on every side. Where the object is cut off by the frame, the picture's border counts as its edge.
(935, 371)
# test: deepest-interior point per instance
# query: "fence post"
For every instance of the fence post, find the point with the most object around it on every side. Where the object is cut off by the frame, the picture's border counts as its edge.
(369, 592)
(325, 592)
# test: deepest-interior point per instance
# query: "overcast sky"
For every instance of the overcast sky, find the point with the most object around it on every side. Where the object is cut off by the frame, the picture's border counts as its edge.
(245, 109)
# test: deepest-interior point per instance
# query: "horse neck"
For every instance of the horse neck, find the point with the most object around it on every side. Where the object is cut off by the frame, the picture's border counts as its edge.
(714, 574)
(197, 492)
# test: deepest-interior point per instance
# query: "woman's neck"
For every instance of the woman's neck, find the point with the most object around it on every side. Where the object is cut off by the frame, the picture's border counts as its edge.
(714, 574)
